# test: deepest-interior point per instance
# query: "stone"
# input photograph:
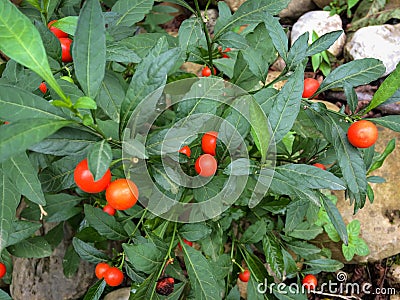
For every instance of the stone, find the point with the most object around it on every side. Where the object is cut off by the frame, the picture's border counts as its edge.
(120, 294)
(210, 18)
(320, 22)
(380, 42)
(296, 8)
(234, 4)
(38, 279)
(393, 276)
(380, 221)
(322, 3)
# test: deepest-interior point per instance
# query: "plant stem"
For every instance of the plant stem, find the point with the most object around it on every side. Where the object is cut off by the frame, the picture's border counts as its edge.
(206, 33)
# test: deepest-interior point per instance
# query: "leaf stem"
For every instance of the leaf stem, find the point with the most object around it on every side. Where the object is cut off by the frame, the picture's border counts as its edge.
(206, 33)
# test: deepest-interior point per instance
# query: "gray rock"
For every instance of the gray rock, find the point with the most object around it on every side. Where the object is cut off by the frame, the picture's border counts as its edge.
(38, 279)
(393, 276)
(296, 8)
(120, 294)
(381, 42)
(380, 221)
(321, 23)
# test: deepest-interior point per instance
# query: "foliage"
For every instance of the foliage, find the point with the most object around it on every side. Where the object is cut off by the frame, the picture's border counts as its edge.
(112, 106)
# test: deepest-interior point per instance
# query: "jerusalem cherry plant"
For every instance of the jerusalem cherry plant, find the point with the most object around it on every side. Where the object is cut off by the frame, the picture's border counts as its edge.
(110, 150)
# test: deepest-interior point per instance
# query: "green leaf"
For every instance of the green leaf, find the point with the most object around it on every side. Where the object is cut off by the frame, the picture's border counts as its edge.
(361, 247)
(16, 137)
(200, 274)
(21, 231)
(66, 141)
(131, 11)
(278, 35)
(287, 105)
(273, 255)
(233, 39)
(19, 104)
(251, 12)
(252, 291)
(353, 228)
(95, 291)
(351, 97)
(295, 213)
(324, 264)
(378, 162)
(88, 252)
(85, 103)
(89, 48)
(105, 224)
(254, 233)
(190, 34)
(21, 41)
(67, 24)
(71, 262)
(259, 129)
(323, 42)
(256, 267)
(336, 218)
(392, 122)
(354, 73)
(35, 247)
(50, 41)
(144, 256)
(240, 166)
(9, 200)
(311, 177)
(305, 231)
(195, 231)
(4, 296)
(151, 73)
(121, 53)
(21, 172)
(351, 164)
(303, 248)
(99, 159)
(297, 52)
(348, 251)
(242, 75)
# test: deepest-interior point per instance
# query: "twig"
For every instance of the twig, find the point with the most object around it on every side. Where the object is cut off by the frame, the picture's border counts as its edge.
(42, 212)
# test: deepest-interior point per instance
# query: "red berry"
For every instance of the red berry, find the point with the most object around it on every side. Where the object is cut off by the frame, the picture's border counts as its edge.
(209, 142)
(309, 282)
(66, 49)
(85, 181)
(109, 209)
(101, 269)
(43, 87)
(311, 85)
(207, 71)
(206, 165)
(185, 150)
(245, 275)
(3, 270)
(57, 32)
(318, 165)
(362, 134)
(113, 276)
(165, 286)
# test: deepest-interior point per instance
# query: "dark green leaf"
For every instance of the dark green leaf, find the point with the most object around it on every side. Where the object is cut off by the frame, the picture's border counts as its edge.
(4, 296)
(336, 218)
(35, 247)
(195, 231)
(105, 224)
(287, 105)
(354, 73)
(303, 248)
(21, 41)
(88, 252)
(252, 291)
(67, 24)
(16, 137)
(9, 200)
(22, 230)
(323, 42)
(200, 274)
(240, 166)
(297, 52)
(259, 129)
(324, 264)
(95, 291)
(295, 213)
(131, 11)
(254, 233)
(252, 12)
(306, 231)
(89, 48)
(144, 257)
(191, 34)
(19, 104)
(71, 262)
(278, 35)
(273, 255)
(50, 41)
(233, 39)
(392, 122)
(121, 53)
(99, 159)
(21, 171)
(351, 97)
